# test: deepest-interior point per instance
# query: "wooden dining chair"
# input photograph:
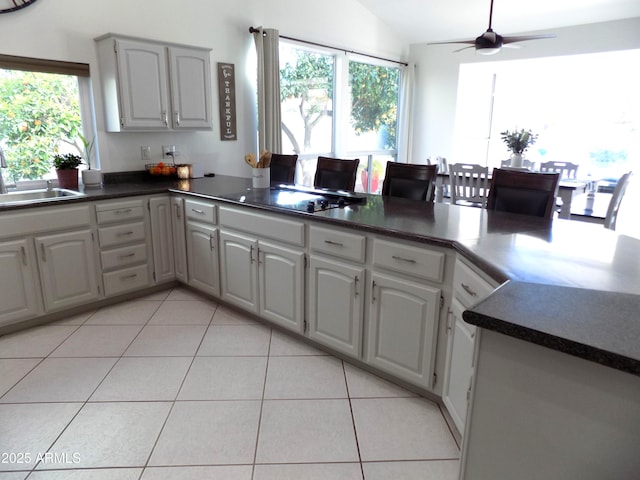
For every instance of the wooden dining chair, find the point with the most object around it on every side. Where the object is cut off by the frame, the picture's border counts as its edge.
(469, 184)
(616, 199)
(416, 182)
(283, 168)
(527, 193)
(336, 174)
(566, 170)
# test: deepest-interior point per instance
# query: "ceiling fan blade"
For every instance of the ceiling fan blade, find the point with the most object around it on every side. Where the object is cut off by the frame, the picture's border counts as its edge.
(464, 48)
(461, 42)
(524, 38)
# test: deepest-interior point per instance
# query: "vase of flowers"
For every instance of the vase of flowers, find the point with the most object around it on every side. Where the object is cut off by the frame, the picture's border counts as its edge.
(517, 142)
(66, 166)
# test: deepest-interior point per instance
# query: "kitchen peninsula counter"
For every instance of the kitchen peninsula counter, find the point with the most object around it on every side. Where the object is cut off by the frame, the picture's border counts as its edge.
(560, 259)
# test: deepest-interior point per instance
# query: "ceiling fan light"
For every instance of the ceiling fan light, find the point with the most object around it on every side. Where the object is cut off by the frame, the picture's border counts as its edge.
(488, 51)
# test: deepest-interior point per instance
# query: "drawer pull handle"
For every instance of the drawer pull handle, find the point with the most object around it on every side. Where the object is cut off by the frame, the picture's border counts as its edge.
(408, 260)
(123, 211)
(178, 211)
(355, 284)
(212, 242)
(125, 234)
(201, 212)
(129, 277)
(468, 289)
(331, 242)
(129, 255)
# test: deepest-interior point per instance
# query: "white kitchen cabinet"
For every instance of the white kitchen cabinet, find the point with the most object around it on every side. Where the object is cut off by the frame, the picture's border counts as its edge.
(68, 269)
(403, 322)
(18, 281)
(160, 214)
(281, 285)
(178, 232)
(238, 270)
(154, 86)
(202, 257)
(469, 287)
(336, 300)
(459, 372)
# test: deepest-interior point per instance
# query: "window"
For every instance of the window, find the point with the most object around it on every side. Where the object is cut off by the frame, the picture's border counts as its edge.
(585, 109)
(339, 105)
(42, 108)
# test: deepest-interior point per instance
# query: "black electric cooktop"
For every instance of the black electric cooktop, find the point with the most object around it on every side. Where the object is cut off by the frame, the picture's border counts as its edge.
(298, 198)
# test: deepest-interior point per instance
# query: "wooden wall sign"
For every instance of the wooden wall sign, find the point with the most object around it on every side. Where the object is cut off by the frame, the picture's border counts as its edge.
(227, 97)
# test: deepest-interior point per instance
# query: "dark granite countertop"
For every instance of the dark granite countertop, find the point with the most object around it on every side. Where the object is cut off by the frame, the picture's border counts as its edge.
(573, 286)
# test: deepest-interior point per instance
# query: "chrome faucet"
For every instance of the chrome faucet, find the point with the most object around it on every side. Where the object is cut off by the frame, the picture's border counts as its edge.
(3, 164)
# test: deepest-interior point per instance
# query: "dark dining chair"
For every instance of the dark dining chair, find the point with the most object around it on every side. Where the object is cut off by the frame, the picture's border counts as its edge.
(283, 168)
(416, 182)
(336, 174)
(526, 193)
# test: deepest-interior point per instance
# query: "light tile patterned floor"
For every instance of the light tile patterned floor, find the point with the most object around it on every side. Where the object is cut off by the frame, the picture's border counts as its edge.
(174, 386)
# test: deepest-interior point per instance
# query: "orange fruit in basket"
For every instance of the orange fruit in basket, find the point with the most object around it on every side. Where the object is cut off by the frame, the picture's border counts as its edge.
(155, 170)
(172, 170)
(161, 164)
(166, 170)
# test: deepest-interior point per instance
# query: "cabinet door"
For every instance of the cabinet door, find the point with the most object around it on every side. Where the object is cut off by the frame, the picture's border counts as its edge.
(162, 239)
(68, 269)
(457, 383)
(335, 304)
(281, 285)
(238, 270)
(142, 85)
(202, 257)
(179, 239)
(18, 297)
(190, 88)
(402, 328)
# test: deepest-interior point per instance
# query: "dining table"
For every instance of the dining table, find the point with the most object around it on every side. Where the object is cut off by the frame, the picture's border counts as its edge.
(568, 189)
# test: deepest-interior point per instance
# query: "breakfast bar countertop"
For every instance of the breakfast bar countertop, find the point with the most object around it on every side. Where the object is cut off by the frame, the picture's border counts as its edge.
(554, 264)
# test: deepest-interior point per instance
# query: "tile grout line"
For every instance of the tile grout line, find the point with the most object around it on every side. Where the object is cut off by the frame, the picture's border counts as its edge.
(264, 388)
(353, 420)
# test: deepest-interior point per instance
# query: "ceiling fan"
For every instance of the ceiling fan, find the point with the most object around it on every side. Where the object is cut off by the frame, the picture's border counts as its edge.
(490, 42)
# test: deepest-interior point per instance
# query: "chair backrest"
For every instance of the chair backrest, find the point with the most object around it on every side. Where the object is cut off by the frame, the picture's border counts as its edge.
(525, 163)
(527, 193)
(565, 169)
(616, 199)
(336, 174)
(410, 181)
(469, 182)
(283, 168)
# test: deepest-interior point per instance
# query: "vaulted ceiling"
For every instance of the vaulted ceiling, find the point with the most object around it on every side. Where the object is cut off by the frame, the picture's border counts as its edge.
(423, 21)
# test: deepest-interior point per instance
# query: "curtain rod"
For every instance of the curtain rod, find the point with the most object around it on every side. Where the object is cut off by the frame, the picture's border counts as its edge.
(255, 30)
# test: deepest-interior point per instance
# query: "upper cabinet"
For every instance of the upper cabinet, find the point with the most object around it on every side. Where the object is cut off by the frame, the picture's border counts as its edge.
(154, 86)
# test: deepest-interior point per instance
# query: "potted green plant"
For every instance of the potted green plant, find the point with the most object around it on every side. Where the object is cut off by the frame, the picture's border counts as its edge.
(91, 177)
(517, 142)
(66, 166)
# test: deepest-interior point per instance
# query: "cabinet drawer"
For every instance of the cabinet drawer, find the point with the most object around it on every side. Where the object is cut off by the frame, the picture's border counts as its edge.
(119, 211)
(201, 211)
(122, 257)
(340, 244)
(419, 262)
(468, 286)
(288, 231)
(125, 280)
(121, 234)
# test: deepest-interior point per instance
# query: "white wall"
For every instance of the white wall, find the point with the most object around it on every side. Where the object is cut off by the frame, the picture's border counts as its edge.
(65, 29)
(437, 75)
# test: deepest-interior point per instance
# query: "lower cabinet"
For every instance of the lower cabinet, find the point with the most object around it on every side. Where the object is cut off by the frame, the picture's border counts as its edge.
(162, 239)
(403, 328)
(68, 269)
(263, 278)
(460, 365)
(202, 257)
(18, 291)
(178, 232)
(336, 300)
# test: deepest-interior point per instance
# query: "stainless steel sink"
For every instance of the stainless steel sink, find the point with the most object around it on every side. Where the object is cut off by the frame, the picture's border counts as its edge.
(34, 196)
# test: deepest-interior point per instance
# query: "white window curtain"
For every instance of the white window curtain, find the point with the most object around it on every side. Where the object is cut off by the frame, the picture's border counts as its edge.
(405, 122)
(269, 128)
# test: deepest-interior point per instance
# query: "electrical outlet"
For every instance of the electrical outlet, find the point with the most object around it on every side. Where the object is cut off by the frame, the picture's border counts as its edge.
(145, 152)
(168, 152)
